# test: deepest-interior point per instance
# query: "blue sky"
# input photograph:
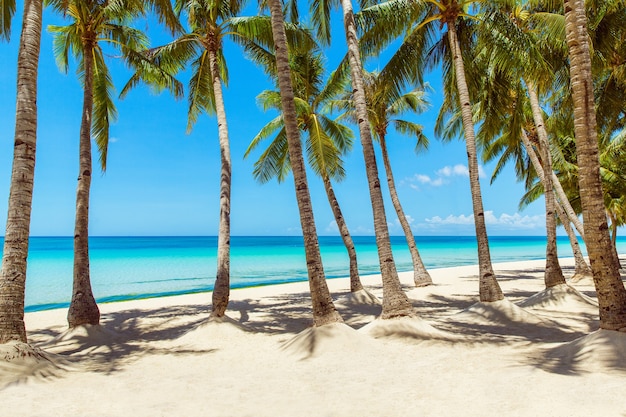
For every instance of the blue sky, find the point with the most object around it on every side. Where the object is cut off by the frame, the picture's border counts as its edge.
(162, 181)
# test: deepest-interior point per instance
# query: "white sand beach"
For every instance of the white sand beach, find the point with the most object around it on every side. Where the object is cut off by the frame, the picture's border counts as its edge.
(534, 354)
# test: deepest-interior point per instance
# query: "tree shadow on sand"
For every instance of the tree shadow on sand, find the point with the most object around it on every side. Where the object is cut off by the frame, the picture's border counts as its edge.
(122, 338)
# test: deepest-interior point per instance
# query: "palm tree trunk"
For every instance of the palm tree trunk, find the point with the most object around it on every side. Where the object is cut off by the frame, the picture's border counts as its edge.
(554, 274)
(421, 277)
(324, 311)
(83, 308)
(609, 286)
(355, 280)
(221, 289)
(15, 252)
(581, 268)
(489, 289)
(395, 301)
(571, 214)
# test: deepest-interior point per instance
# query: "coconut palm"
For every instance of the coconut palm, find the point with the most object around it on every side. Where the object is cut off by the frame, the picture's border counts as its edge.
(15, 252)
(609, 286)
(385, 103)
(92, 24)
(395, 301)
(202, 48)
(324, 311)
(510, 29)
(326, 139)
(420, 23)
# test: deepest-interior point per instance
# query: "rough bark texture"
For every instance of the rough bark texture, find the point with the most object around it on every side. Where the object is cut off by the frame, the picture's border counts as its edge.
(395, 301)
(489, 289)
(355, 280)
(581, 267)
(83, 308)
(324, 311)
(609, 286)
(15, 252)
(221, 290)
(554, 274)
(421, 277)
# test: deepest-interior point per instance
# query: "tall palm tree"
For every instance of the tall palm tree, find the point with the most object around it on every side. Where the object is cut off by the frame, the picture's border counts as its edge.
(15, 252)
(326, 139)
(419, 22)
(385, 102)
(395, 301)
(209, 25)
(509, 28)
(324, 311)
(93, 23)
(609, 286)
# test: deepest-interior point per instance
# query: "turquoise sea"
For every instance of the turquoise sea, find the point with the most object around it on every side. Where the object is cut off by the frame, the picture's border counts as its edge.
(125, 268)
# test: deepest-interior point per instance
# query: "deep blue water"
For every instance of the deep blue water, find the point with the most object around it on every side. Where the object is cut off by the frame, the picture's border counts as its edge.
(124, 268)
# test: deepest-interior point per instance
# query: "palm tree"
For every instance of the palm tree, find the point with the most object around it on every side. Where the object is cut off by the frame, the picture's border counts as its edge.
(208, 22)
(13, 275)
(92, 24)
(385, 102)
(609, 286)
(324, 311)
(326, 139)
(417, 21)
(395, 301)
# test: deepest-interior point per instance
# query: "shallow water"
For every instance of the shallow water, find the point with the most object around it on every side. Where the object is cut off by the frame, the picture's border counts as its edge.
(124, 268)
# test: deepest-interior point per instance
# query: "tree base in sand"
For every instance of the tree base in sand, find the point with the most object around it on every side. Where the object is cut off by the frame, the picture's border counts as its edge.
(214, 332)
(87, 338)
(405, 327)
(600, 351)
(331, 339)
(561, 297)
(21, 361)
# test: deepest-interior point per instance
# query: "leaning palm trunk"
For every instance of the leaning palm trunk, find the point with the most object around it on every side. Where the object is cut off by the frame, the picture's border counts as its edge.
(581, 268)
(355, 280)
(567, 206)
(421, 277)
(489, 289)
(83, 308)
(554, 274)
(609, 286)
(221, 290)
(13, 275)
(395, 301)
(324, 311)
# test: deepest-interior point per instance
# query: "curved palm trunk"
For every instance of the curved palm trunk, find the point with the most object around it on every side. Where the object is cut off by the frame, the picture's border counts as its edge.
(395, 301)
(421, 277)
(324, 311)
(581, 267)
(489, 289)
(83, 308)
(567, 206)
(609, 286)
(221, 290)
(355, 280)
(15, 252)
(554, 274)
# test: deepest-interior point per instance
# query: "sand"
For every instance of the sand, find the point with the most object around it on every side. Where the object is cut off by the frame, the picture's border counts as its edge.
(536, 353)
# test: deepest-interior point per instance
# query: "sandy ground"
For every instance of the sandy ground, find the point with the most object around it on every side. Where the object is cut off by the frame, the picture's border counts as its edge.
(537, 353)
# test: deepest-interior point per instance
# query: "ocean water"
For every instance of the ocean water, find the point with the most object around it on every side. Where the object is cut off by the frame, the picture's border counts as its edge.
(125, 268)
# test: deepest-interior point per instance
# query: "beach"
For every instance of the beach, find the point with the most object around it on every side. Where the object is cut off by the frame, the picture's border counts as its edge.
(532, 354)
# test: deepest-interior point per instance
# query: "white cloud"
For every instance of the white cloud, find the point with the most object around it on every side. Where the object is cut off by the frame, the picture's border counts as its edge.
(442, 176)
(332, 227)
(504, 221)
